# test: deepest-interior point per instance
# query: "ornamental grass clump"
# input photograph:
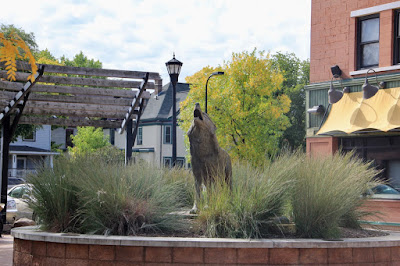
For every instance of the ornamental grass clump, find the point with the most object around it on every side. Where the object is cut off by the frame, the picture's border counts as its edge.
(106, 198)
(327, 194)
(54, 193)
(250, 210)
(183, 181)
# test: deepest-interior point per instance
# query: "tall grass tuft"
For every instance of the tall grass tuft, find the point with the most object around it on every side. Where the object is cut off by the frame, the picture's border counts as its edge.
(183, 180)
(327, 192)
(106, 198)
(249, 210)
(55, 196)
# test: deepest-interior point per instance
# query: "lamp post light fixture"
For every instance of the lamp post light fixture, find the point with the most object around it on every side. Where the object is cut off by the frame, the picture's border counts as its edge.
(174, 68)
(213, 74)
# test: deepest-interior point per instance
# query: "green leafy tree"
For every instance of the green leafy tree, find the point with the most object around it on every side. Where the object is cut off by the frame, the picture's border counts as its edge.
(296, 75)
(29, 38)
(88, 140)
(246, 104)
(46, 57)
(81, 60)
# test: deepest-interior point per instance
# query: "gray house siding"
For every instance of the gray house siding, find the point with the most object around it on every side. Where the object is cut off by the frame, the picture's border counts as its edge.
(42, 139)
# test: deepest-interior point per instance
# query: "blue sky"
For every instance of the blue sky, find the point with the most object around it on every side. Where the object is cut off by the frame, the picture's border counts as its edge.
(142, 35)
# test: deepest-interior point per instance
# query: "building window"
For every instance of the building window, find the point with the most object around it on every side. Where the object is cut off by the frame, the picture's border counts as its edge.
(396, 46)
(180, 162)
(167, 135)
(30, 137)
(368, 42)
(139, 137)
(167, 161)
(112, 136)
(21, 163)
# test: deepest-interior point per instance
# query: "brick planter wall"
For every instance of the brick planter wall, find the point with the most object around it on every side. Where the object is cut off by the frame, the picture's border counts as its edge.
(389, 210)
(39, 248)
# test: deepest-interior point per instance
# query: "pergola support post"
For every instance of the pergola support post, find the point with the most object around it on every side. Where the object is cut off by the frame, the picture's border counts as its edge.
(7, 131)
(135, 130)
(129, 141)
(5, 150)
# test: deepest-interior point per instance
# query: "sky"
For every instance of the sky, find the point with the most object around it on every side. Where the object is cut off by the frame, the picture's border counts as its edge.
(143, 35)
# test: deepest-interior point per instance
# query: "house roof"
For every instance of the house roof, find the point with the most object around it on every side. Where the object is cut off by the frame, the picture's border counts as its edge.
(159, 107)
(27, 150)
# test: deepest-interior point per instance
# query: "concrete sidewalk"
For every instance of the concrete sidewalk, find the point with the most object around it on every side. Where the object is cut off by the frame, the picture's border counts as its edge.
(6, 250)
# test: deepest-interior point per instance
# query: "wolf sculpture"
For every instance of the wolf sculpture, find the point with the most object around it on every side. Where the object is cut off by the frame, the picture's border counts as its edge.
(209, 160)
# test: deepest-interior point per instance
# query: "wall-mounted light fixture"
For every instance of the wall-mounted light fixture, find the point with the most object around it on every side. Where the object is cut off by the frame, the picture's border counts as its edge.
(334, 95)
(370, 90)
(316, 110)
(336, 71)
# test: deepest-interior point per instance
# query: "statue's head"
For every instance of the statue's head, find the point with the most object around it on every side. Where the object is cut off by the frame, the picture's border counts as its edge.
(202, 126)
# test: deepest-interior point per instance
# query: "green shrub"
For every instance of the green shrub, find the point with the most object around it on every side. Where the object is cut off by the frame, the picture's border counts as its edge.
(105, 198)
(327, 192)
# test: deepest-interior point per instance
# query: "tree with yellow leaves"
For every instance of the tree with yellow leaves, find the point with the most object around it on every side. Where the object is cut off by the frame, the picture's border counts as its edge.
(13, 48)
(245, 104)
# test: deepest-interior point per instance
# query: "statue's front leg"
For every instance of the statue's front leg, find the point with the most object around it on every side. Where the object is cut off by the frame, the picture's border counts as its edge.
(197, 186)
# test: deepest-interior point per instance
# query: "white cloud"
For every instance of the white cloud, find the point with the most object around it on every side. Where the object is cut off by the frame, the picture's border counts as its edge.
(142, 35)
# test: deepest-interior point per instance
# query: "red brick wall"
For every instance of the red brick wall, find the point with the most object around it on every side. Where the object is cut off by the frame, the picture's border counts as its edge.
(321, 146)
(28, 252)
(333, 36)
(388, 211)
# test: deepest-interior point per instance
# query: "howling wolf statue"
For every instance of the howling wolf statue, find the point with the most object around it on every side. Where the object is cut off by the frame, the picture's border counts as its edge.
(209, 160)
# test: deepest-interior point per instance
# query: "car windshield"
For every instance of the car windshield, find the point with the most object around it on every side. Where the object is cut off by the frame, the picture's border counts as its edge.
(384, 189)
(19, 191)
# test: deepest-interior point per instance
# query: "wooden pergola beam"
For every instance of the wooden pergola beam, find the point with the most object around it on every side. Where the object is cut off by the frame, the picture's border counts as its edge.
(85, 99)
(16, 86)
(84, 71)
(81, 81)
(76, 113)
(69, 122)
(135, 103)
(24, 91)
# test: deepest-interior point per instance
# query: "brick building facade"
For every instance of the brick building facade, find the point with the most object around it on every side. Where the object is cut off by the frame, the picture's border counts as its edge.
(355, 35)
(334, 36)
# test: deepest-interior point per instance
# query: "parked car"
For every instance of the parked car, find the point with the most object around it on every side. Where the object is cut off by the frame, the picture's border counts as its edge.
(17, 206)
(383, 191)
(13, 181)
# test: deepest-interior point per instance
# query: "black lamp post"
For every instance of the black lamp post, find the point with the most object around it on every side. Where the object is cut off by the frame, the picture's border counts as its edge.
(213, 74)
(174, 68)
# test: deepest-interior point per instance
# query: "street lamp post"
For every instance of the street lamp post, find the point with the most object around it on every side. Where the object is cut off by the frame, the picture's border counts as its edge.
(174, 68)
(213, 74)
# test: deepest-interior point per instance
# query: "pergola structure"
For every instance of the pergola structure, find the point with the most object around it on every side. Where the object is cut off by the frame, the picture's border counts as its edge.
(72, 96)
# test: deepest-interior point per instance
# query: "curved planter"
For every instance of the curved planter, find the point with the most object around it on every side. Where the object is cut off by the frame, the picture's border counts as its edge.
(34, 247)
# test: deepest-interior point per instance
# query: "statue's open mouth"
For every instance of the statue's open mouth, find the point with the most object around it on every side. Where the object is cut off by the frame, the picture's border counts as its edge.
(197, 113)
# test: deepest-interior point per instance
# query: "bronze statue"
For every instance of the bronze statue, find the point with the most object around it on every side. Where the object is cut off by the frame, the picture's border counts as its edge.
(209, 160)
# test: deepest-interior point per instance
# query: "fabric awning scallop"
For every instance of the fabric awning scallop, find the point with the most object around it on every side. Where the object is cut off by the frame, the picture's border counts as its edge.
(353, 113)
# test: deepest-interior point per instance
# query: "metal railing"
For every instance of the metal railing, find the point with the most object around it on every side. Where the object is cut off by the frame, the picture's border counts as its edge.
(20, 173)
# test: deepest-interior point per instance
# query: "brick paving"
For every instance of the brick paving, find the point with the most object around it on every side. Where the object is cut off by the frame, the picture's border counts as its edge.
(6, 250)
